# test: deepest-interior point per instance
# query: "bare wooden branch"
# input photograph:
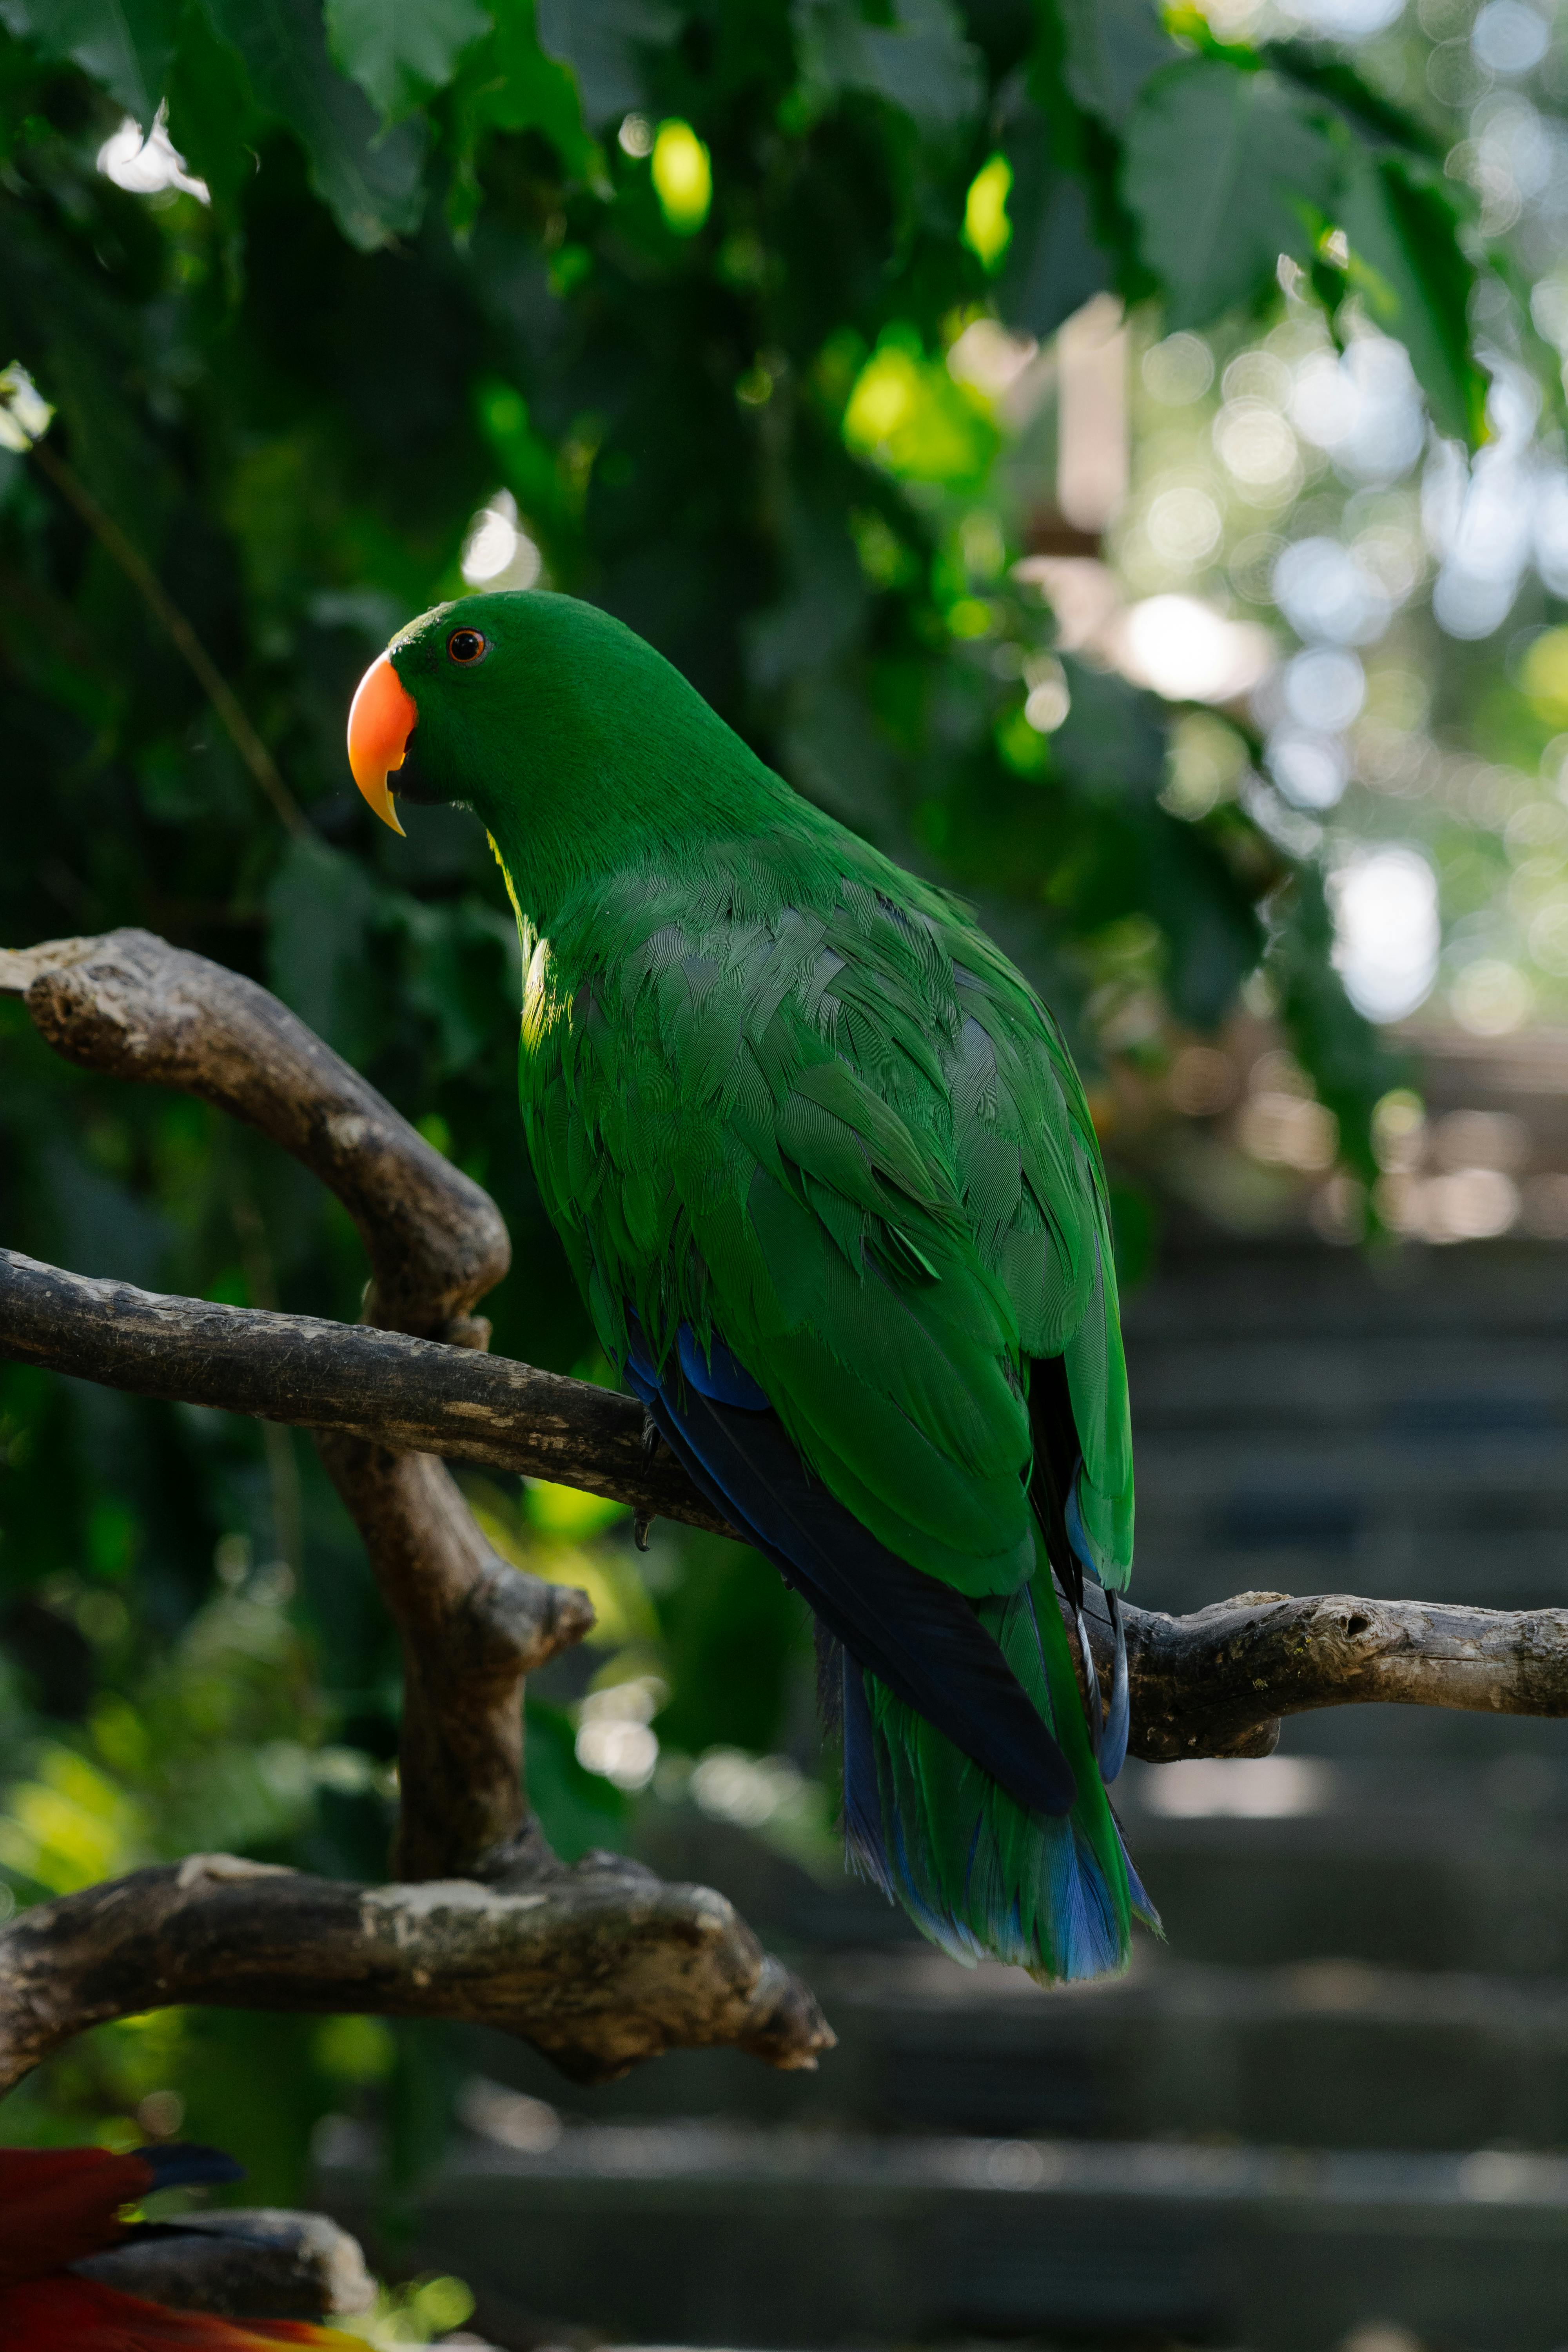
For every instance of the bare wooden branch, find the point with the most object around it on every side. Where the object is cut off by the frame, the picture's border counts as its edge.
(599, 1967)
(412, 1395)
(472, 1627)
(131, 1006)
(245, 2263)
(1216, 1683)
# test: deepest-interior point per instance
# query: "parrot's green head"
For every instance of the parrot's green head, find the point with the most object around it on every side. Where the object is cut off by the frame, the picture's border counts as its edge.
(575, 742)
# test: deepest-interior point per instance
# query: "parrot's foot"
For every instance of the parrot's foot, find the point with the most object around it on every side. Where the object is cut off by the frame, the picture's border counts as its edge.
(651, 1440)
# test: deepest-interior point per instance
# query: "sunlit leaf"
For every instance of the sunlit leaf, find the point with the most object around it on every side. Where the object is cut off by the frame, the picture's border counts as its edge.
(986, 226)
(682, 177)
(1224, 171)
(399, 51)
(71, 1825)
(908, 416)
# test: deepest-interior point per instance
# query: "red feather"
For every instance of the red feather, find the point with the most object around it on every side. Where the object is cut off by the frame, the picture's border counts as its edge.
(59, 2204)
(71, 2315)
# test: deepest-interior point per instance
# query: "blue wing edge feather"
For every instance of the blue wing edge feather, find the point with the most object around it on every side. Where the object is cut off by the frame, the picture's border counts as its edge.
(876, 1614)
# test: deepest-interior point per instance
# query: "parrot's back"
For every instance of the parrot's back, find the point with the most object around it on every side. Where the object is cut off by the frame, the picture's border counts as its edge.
(828, 1178)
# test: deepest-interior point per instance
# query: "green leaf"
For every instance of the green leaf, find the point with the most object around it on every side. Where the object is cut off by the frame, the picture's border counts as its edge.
(1224, 169)
(124, 45)
(603, 41)
(919, 61)
(210, 112)
(1206, 914)
(1053, 264)
(371, 180)
(1364, 108)
(319, 905)
(507, 83)
(1416, 282)
(1112, 740)
(399, 51)
(517, 88)
(1113, 47)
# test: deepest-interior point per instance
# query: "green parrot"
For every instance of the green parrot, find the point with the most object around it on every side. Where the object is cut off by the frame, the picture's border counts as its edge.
(824, 1170)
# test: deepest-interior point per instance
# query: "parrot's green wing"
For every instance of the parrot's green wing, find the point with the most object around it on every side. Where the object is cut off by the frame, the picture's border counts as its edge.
(795, 1111)
(842, 1130)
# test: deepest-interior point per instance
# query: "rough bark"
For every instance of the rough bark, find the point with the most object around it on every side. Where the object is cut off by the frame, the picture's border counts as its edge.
(400, 1392)
(598, 1966)
(1218, 1682)
(131, 1006)
(472, 1627)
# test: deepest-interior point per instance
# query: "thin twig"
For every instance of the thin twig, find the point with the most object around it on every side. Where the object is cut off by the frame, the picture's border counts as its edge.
(156, 597)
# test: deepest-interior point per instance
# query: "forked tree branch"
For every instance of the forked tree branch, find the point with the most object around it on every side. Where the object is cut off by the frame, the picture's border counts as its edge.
(472, 1626)
(599, 1966)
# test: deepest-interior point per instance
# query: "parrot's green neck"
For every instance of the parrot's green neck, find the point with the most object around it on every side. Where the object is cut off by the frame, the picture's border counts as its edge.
(558, 852)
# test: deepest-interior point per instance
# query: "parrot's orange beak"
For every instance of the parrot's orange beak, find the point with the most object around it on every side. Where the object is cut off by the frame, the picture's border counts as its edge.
(382, 718)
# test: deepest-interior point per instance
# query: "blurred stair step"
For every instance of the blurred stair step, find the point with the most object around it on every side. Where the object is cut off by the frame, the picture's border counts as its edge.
(1415, 1388)
(701, 2234)
(1306, 1421)
(1330, 2056)
(1407, 1869)
(1218, 1287)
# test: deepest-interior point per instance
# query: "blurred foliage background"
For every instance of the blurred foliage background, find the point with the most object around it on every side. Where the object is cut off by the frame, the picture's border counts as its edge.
(1111, 458)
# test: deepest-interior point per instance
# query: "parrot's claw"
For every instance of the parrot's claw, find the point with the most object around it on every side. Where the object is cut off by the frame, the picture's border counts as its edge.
(640, 1526)
(651, 1440)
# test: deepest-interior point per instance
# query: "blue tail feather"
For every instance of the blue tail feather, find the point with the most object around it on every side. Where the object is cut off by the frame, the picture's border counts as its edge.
(186, 2164)
(958, 1718)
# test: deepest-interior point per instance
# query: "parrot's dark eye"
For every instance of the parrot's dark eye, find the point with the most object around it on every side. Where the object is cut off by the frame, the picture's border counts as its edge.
(466, 646)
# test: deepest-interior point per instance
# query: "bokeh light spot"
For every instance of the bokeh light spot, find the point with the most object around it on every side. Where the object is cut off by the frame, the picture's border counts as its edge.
(682, 177)
(987, 231)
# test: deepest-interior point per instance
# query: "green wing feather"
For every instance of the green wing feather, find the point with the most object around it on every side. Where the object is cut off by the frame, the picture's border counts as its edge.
(796, 1097)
